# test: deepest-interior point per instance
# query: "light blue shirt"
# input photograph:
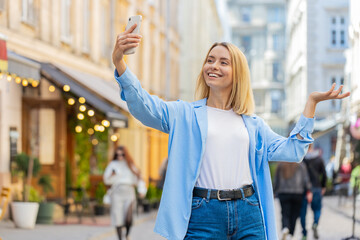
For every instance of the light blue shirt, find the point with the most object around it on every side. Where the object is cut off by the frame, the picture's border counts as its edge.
(186, 124)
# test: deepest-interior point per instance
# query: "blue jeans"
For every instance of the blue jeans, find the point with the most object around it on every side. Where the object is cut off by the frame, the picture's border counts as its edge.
(230, 220)
(315, 206)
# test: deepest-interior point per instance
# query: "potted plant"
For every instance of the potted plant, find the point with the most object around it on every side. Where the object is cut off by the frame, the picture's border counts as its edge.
(24, 212)
(99, 208)
(46, 209)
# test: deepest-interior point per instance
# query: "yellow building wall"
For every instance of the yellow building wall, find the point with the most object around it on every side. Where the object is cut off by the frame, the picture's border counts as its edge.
(43, 41)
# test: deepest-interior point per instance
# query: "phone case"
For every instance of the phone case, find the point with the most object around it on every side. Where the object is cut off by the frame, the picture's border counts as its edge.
(132, 20)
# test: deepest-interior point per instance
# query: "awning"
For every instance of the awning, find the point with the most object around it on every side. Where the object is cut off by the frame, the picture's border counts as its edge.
(108, 90)
(22, 66)
(60, 78)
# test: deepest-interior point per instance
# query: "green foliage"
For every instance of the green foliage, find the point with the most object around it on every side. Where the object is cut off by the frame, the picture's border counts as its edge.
(22, 165)
(153, 193)
(45, 182)
(34, 195)
(21, 168)
(99, 193)
(84, 149)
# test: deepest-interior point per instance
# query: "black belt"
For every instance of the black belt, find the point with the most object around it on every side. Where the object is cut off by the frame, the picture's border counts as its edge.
(223, 195)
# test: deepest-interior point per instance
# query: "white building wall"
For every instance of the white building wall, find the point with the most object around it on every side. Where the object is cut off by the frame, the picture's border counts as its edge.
(199, 28)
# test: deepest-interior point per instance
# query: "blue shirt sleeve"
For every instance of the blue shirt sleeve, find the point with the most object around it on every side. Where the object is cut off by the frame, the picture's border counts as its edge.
(290, 149)
(148, 109)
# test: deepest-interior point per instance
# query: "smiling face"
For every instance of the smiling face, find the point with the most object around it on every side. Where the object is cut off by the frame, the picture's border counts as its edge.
(217, 70)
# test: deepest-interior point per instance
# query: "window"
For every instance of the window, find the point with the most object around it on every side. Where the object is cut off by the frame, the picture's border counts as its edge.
(86, 26)
(105, 38)
(2, 5)
(335, 105)
(276, 72)
(338, 32)
(277, 42)
(65, 21)
(275, 101)
(246, 14)
(276, 14)
(246, 43)
(28, 12)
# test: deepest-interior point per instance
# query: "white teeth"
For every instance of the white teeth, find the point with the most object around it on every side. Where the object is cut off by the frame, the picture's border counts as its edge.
(212, 75)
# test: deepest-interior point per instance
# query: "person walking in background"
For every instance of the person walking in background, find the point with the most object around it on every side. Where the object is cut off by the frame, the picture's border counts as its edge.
(122, 174)
(218, 183)
(317, 173)
(290, 184)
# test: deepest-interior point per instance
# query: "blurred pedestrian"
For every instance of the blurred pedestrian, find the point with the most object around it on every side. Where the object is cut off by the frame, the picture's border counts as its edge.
(122, 174)
(218, 183)
(316, 169)
(291, 184)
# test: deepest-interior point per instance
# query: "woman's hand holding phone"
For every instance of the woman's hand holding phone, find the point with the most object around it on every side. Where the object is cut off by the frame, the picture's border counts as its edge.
(124, 41)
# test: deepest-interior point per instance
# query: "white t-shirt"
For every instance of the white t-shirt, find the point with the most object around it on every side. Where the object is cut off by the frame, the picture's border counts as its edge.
(225, 163)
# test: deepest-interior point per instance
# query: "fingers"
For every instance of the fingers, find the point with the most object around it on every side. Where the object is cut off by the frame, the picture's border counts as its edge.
(331, 89)
(131, 29)
(344, 95)
(128, 40)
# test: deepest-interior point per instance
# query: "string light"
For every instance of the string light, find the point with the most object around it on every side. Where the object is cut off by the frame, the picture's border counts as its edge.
(35, 83)
(82, 108)
(96, 127)
(105, 123)
(52, 88)
(114, 138)
(91, 113)
(9, 78)
(90, 131)
(18, 80)
(25, 82)
(66, 88)
(78, 129)
(71, 101)
(94, 141)
(80, 116)
(82, 100)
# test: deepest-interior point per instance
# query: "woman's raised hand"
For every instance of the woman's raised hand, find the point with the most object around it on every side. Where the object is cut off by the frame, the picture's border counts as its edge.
(331, 94)
(316, 97)
(123, 42)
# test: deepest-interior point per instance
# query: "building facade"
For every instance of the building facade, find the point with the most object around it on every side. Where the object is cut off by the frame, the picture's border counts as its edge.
(258, 29)
(60, 67)
(199, 27)
(316, 41)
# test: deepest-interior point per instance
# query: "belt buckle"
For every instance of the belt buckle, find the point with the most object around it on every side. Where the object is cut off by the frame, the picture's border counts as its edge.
(221, 199)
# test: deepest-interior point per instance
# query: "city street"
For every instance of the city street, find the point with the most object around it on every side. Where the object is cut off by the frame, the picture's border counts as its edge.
(335, 224)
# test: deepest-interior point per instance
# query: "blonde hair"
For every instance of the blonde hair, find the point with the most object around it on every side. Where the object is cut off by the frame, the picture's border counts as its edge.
(241, 98)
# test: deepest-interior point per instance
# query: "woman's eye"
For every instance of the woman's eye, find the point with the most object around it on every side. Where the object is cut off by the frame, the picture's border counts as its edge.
(209, 60)
(224, 63)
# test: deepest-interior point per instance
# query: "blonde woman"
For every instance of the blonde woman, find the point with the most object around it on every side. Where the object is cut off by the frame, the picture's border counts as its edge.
(218, 183)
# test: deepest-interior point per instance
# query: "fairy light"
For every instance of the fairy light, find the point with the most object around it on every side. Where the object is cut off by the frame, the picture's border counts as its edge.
(90, 131)
(114, 138)
(82, 100)
(35, 83)
(52, 88)
(25, 82)
(82, 108)
(9, 78)
(105, 123)
(78, 129)
(18, 80)
(91, 113)
(66, 88)
(71, 101)
(80, 116)
(94, 141)
(96, 127)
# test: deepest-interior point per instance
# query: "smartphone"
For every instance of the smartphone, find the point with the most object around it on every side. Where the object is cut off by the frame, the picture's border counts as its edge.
(132, 20)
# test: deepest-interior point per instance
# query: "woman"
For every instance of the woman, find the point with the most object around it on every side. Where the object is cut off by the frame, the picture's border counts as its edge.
(122, 175)
(215, 144)
(291, 182)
